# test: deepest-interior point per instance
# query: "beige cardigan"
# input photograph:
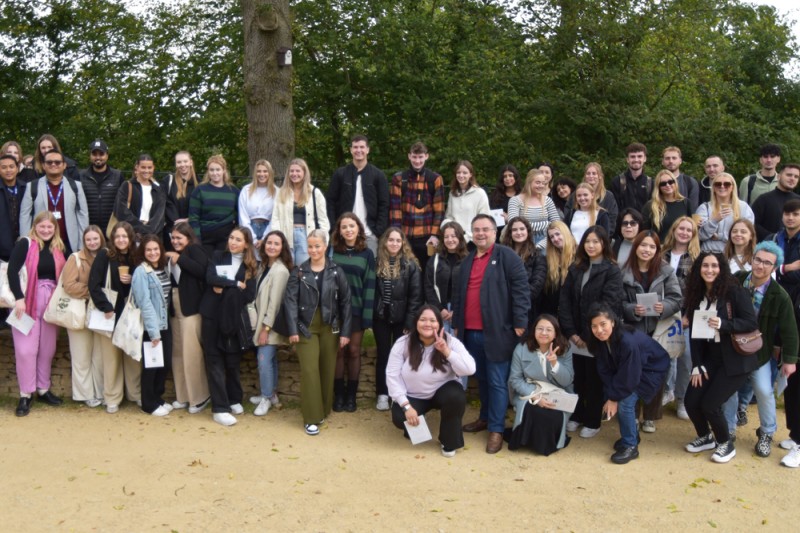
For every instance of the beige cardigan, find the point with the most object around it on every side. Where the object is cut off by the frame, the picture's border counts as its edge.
(268, 301)
(283, 216)
(75, 279)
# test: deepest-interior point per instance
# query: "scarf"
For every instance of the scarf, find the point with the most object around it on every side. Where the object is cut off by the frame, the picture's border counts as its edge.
(32, 267)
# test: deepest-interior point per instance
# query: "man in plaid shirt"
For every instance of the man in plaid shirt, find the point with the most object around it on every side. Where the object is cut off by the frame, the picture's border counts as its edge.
(416, 203)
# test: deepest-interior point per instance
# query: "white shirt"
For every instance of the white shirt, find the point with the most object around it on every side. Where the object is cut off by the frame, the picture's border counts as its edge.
(360, 208)
(147, 202)
(579, 225)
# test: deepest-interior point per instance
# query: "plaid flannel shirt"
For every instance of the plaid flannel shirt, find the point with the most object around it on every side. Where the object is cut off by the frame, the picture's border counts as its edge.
(416, 213)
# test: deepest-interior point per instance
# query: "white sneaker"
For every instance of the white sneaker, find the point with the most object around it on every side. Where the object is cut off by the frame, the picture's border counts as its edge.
(681, 411)
(445, 453)
(648, 426)
(668, 397)
(194, 409)
(237, 409)
(161, 410)
(167, 406)
(275, 401)
(572, 426)
(180, 405)
(111, 408)
(312, 429)
(724, 453)
(792, 459)
(383, 403)
(255, 400)
(788, 444)
(226, 419)
(262, 408)
(588, 433)
(94, 402)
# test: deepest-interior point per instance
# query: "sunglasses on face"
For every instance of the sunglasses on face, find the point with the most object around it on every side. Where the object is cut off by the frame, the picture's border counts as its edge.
(629, 223)
(53, 162)
(667, 182)
(723, 185)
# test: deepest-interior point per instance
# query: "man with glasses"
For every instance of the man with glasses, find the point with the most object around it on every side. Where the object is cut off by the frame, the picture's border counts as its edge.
(492, 297)
(763, 181)
(768, 209)
(68, 204)
(777, 325)
(671, 159)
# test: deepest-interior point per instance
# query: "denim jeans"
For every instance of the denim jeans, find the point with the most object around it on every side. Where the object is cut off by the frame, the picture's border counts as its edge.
(628, 425)
(746, 392)
(680, 370)
(260, 228)
(492, 382)
(267, 369)
(761, 382)
(300, 250)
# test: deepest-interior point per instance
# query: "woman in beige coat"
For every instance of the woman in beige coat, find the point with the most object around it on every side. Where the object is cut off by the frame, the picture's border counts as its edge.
(86, 355)
(276, 263)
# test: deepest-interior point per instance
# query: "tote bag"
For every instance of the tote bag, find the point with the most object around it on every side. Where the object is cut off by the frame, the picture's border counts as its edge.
(669, 334)
(64, 310)
(129, 332)
(111, 295)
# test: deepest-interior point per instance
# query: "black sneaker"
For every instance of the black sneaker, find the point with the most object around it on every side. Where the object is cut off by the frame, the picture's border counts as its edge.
(725, 452)
(50, 399)
(701, 444)
(764, 444)
(741, 417)
(625, 455)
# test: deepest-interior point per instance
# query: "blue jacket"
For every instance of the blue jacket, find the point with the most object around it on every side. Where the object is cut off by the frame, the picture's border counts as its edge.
(149, 298)
(505, 300)
(639, 364)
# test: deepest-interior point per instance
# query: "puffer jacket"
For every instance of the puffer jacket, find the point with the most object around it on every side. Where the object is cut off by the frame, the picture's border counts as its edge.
(406, 298)
(302, 298)
(101, 196)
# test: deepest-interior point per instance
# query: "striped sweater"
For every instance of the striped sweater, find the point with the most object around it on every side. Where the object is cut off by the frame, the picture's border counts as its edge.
(359, 269)
(211, 208)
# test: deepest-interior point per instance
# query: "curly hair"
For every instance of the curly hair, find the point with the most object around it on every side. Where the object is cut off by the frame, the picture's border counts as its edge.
(385, 269)
(696, 288)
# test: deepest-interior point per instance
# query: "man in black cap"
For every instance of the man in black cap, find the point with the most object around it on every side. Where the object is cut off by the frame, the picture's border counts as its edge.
(100, 184)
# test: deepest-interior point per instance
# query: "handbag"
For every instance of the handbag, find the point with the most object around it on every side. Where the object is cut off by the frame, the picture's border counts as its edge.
(64, 310)
(111, 296)
(747, 343)
(252, 315)
(129, 332)
(7, 298)
(669, 334)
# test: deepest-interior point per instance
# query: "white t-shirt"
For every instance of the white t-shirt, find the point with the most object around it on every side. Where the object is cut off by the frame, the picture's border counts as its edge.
(147, 203)
(360, 208)
(579, 225)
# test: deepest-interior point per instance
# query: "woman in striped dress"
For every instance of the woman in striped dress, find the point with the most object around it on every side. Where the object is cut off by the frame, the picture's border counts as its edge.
(350, 252)
(534, 204)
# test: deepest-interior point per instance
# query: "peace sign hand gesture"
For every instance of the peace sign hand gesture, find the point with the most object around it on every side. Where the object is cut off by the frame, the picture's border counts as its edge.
(440, 343)
(552, 355)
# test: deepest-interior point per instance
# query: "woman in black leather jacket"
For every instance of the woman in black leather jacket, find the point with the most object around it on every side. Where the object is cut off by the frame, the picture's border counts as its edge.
(398, 297)
(317, 308)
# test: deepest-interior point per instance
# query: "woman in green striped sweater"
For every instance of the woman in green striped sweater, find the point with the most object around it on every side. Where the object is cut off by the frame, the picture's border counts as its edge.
(213, 206)
(350, 252)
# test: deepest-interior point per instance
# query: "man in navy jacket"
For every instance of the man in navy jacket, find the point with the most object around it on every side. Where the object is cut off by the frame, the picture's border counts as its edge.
(490, 316)
(11, 192)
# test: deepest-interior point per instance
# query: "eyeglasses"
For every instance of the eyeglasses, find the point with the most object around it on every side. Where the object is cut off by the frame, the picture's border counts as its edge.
(667, 182)
(53, 162)
(758, 261)
(629, 223)
(723, 184)
(482, 230)
(545, 330)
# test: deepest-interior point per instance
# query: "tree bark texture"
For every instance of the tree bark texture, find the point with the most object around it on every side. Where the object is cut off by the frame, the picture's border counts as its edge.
(267, 86)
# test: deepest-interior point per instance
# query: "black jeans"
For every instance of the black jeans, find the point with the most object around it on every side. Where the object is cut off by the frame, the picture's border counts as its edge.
(451, 400)
(153, 380)
(385, 336)
(222, 368)
(791, 400)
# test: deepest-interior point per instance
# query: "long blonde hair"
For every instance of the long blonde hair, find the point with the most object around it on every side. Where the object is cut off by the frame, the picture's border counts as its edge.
(694, 244)
(600, 189)
(715, 206)
(658, 207)
(559, 261)
(594, 207)
(286, 192)
(56, 243)
(219, 160)
(179, 183)
(270, 178)
(385, 269)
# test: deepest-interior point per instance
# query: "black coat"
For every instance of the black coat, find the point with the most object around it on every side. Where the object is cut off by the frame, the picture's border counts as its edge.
(536, 267)
(637, 364)
(193, 263)
(7, 234)
(176, 207)
(97, 282)
(155, 224)
(303, 298)
(505, 301)
(446, 276)
(744, 320)
(210, 305)
(101, 196)
(604, 285)
(406, 298)
(374, 187)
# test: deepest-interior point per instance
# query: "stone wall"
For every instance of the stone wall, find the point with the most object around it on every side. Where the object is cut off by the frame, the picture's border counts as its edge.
(288, 371)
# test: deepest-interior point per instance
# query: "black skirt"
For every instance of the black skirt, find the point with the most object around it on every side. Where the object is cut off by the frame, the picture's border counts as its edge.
(539, 430)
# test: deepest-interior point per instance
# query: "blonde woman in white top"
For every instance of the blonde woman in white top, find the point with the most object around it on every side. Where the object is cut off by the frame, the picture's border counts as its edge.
(534, 204)
(299, 209)
(257, 200)
(720, 212)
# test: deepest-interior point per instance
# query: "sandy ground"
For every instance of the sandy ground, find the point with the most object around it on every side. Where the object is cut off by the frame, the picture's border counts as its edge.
(76, 469)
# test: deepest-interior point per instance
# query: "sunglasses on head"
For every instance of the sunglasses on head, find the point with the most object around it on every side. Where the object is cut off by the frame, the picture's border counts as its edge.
(723, 184)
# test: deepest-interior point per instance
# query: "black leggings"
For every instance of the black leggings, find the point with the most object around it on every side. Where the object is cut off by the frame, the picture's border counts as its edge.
(385, 336)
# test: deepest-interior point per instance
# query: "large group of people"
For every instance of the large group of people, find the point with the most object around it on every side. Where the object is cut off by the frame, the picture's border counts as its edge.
(570, 302)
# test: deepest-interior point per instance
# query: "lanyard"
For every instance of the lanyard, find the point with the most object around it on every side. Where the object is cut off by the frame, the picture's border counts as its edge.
(57, 198)
(12, 191)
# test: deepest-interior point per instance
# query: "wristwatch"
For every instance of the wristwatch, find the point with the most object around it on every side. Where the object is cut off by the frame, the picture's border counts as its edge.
(406, 407)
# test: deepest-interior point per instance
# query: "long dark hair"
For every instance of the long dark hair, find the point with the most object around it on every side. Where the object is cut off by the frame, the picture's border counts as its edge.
(560, 342)
(415, 347)
(561, 203)
(655, 263)
(696, 288)
(186, 230)
(286, 253)
(526, 248)
(499, 193)
(116, 255)
(461, 250)
(582, 258)
(339, 245)
(603, 309)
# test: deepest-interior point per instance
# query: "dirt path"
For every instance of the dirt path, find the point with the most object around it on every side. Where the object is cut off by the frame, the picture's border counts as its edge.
(74, 469)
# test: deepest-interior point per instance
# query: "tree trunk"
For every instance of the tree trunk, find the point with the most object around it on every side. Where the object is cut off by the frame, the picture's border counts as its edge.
(267, 86)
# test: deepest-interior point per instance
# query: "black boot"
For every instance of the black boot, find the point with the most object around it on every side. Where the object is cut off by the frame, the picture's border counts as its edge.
(338, 395)
(24, 406)
(350, 404)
